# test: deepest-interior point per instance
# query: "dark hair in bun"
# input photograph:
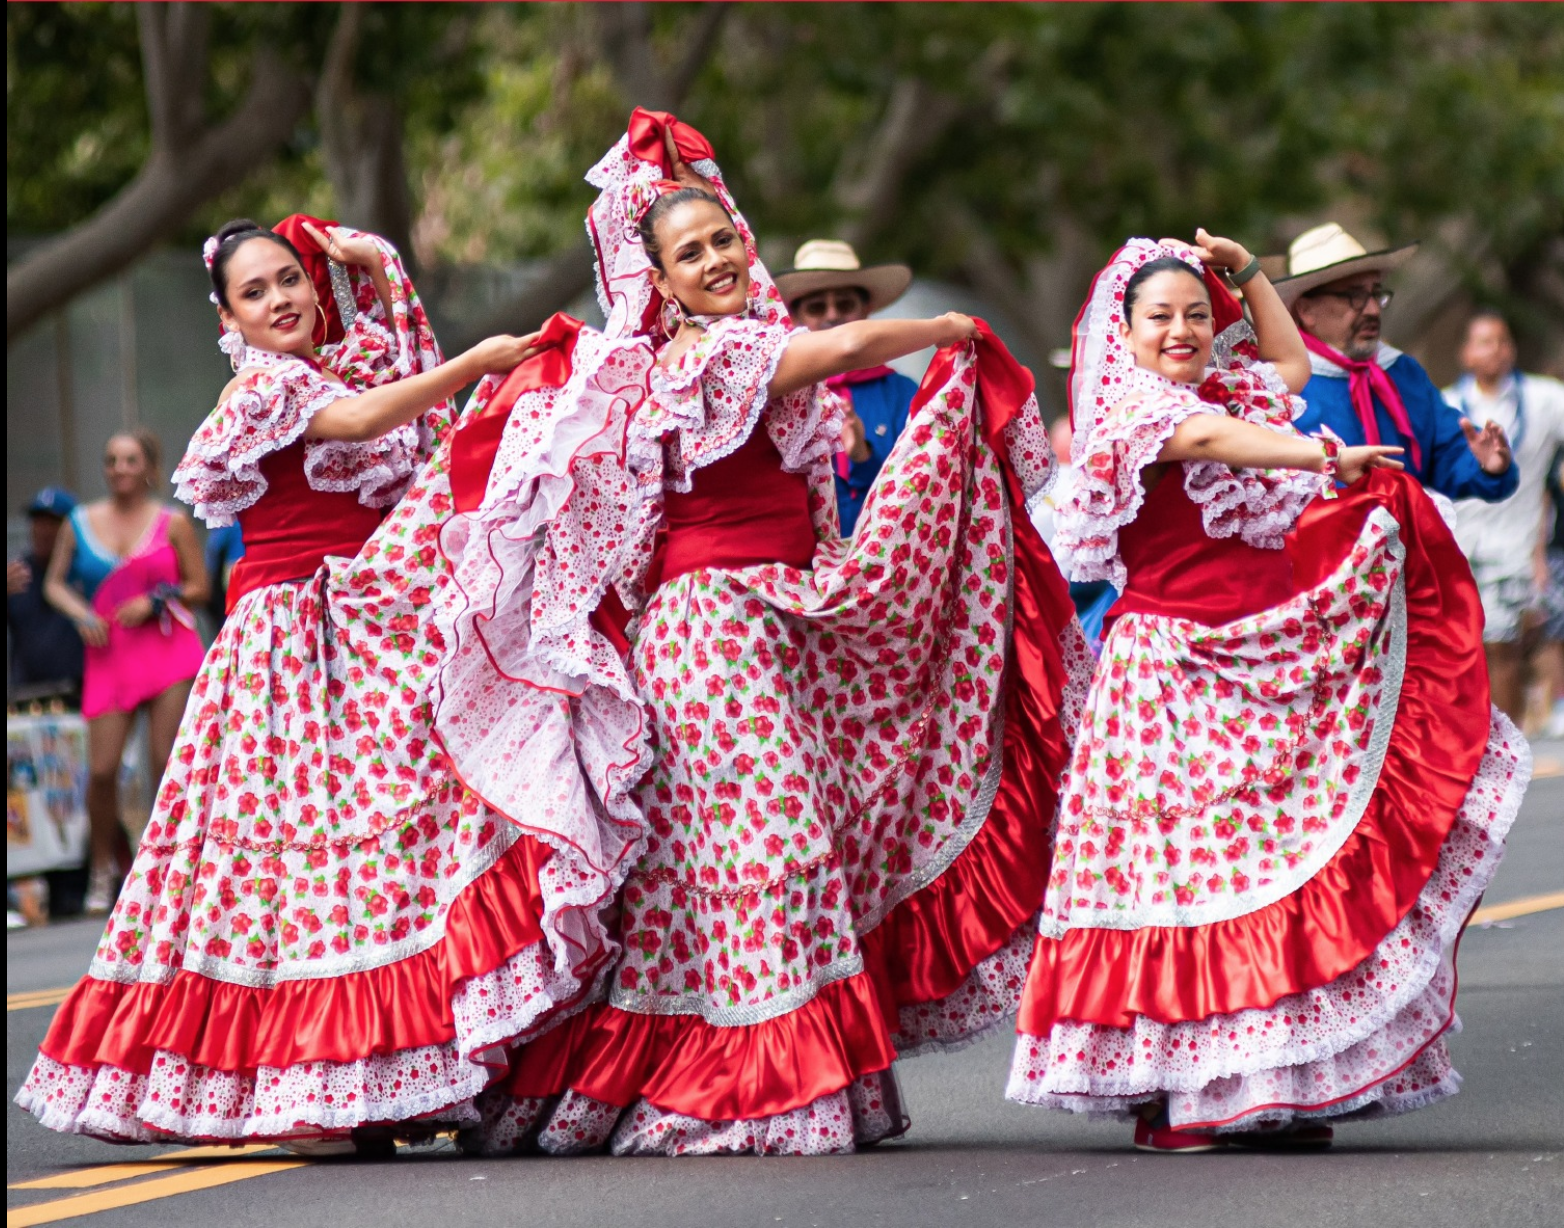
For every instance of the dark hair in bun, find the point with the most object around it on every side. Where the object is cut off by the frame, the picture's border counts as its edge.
(1162, 264)
(231, 236)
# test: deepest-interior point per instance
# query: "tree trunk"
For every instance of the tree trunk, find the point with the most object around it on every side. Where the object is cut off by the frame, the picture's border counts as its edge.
(361, 140)
(626, 31)
(190, 162)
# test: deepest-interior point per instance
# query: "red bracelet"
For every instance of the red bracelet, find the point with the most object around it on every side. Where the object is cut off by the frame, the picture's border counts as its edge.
(1328, 470)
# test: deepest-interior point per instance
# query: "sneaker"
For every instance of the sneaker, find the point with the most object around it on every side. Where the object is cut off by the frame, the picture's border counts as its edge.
(1165, 1139)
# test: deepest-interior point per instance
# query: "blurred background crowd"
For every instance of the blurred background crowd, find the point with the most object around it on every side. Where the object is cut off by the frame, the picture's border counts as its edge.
(999, 151)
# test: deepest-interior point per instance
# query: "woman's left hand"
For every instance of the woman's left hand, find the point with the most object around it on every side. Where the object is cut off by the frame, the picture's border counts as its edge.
(134, 612)
(344, 246)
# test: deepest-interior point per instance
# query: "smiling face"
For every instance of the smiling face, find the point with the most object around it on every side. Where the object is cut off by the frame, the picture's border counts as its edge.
(1169, 330)
(270, 300)
(704, 264)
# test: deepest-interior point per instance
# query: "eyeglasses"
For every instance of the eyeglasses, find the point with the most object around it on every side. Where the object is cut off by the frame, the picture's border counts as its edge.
(1357, 299)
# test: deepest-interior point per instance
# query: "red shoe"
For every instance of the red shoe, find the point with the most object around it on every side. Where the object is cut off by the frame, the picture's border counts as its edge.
(1170, 1141)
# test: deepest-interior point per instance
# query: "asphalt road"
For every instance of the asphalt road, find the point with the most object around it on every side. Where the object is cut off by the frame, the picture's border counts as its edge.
(1493, 1157)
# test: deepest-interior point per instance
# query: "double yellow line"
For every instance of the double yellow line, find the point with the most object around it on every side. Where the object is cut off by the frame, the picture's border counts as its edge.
(223, 1166)
(35, 997)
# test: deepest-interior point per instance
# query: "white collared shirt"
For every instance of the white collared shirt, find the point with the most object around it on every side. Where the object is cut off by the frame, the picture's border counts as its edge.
(1500, 539)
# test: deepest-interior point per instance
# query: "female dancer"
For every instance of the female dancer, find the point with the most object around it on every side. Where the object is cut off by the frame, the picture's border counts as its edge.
(843, 750)
(127, 570)
(1288, 791)
(322, 927)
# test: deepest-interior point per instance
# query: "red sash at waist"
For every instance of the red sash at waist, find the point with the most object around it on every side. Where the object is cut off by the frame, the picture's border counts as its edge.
(289, 531)
(740, 511)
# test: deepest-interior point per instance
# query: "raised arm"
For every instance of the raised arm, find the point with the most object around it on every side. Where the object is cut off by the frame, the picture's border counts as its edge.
(343, 246)
(813, 357)
(1246, 445)
(371, 414)
(1277, 335)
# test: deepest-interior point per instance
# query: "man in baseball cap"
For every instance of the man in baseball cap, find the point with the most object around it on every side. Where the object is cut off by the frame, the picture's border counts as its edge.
(1370, 392)
(46, 652)
(827, 286)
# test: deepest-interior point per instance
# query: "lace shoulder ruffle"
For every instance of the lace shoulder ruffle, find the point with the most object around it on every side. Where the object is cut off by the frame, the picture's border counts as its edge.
(270, 410)
(1260, 505)
(705, 405)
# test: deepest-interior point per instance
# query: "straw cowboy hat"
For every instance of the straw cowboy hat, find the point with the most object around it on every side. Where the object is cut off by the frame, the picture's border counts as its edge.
(830, 264)
(1328, 253)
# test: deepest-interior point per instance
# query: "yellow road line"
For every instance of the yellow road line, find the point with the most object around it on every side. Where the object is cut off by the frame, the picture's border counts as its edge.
(84, 1178)
(1519, 908)
(1541, 768)
(202, 1178)
(36, 997)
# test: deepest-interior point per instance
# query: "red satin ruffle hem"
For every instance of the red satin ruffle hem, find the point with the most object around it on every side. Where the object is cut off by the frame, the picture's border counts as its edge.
(236, 1028)
(1335, 920)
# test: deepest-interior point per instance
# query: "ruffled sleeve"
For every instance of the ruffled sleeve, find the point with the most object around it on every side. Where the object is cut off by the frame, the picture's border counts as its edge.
(1107, 493)
(377, 350)
(705, 406)
(1259, 505)
(269, 411)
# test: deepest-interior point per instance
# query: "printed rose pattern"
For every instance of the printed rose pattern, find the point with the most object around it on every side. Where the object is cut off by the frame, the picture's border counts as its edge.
(821, 738)
(1216, 765)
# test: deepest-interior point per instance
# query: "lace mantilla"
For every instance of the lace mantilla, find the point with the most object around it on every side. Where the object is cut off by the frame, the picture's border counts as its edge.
(1124, 413)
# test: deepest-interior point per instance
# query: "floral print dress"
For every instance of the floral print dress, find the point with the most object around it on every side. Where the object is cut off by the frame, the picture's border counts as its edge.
(323, 926)
(845, 770)
(1288, 790)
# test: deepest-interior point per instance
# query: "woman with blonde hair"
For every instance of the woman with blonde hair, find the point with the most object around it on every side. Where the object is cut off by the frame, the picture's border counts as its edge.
(127, 570)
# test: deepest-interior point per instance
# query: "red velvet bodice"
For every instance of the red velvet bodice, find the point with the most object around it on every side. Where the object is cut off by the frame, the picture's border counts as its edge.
(291, 528)
(1175, 568)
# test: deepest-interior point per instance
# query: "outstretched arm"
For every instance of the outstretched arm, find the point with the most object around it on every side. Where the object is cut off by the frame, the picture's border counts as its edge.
(813, 357)
(371, 414)
(1246, 445)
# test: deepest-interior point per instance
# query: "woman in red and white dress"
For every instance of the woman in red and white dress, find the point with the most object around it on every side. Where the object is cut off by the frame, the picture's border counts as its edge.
(1288, 790)
(845, 752)
(323, 928)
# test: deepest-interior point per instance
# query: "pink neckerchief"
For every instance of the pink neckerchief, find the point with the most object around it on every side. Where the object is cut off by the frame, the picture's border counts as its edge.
(840, 383)
(1366, 379)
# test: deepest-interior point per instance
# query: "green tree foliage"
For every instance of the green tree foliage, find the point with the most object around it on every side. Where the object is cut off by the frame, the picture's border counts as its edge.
(1008, 145)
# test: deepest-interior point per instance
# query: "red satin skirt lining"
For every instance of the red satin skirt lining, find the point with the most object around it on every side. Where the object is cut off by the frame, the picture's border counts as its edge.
(921, 952)
(236, 1028)
(1336, 920)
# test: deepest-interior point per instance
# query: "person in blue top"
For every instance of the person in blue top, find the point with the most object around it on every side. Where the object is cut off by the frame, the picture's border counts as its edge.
(825, 287)
(1368, 392)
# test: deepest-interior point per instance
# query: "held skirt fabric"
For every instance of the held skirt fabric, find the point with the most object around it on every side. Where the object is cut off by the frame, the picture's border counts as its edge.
(1271, 835)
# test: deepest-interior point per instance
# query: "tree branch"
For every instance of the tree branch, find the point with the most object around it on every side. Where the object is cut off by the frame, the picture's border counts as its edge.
(175, 180)
(564, 276)
(867, 189)
(361, 140)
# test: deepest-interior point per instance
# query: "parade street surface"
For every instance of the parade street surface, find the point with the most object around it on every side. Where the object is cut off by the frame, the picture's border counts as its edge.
(1491, 1157)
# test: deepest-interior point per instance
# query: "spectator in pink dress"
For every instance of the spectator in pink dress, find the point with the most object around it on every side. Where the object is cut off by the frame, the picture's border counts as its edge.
(127, 570)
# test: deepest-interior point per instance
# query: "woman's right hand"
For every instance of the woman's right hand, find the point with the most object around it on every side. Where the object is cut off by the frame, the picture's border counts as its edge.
(958, 328)
(1353, 463)
(503, 353)
(93, 630)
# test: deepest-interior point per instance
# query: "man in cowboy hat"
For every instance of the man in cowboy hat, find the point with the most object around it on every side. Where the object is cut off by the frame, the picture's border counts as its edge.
(1370, 392)
(828, 286)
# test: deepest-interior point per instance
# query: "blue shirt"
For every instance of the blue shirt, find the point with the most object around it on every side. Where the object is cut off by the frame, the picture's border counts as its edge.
(882, 406)
(1448, 464)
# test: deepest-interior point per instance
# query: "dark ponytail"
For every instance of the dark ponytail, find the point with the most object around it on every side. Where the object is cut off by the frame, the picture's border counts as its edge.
(231, 236)
(663, 205)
